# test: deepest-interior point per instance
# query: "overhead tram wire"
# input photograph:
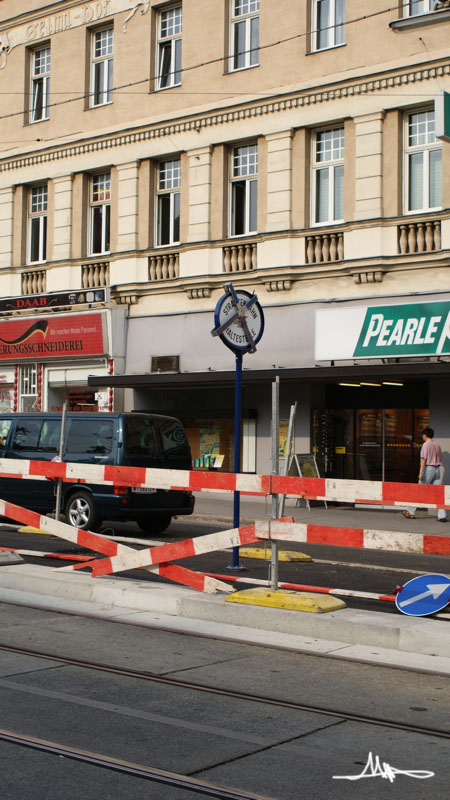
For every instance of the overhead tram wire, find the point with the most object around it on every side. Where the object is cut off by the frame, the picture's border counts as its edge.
(219, 59)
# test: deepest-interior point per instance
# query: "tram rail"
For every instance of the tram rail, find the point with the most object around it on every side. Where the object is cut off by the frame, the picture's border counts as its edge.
(348, 716)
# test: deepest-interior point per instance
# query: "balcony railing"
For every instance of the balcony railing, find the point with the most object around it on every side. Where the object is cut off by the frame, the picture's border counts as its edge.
(94, 276)
(34, 282)
(419, 237)
(163, 266)
(322, 248)
(240, 257)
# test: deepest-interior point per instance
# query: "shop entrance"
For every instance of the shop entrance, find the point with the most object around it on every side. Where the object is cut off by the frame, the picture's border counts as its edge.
(371, 430)
(372, 444)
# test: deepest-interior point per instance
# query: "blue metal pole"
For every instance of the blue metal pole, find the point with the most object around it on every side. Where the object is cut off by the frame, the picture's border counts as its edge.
(237, 450)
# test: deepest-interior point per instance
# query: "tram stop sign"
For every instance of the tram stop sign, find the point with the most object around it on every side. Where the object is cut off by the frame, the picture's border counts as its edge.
(424, 595)
(238, 320)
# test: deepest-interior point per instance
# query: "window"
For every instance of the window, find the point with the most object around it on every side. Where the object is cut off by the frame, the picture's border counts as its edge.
(90, 436)
(328, 24)
(37, 224)
(40, 84)
(244, 37)
(28, 390)
(169, 48)
(328, 176)
(415, 7)
(423, 163)
(244, 190)
(168, 216)
(102, 67)
(100, 213)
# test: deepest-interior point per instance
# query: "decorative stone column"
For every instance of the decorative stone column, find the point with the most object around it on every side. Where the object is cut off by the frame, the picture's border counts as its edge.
(369, 165)
(6, 225)
(279, 181)
(199, 194)
(127, 205)
(62, 218)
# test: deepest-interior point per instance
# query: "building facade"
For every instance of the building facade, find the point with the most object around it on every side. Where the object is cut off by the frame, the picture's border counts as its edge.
(153, 152)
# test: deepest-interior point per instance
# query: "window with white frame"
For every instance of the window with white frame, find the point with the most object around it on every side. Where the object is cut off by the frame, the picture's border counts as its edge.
(102, 44)
(328, 24)
(415, 7)
(244, 35)
(37, 224)
(40, 84)
(28, 387)
(244, 190)
(100, 213)
(168, 201)
(328, 176)
(423, 163)
(169, 47)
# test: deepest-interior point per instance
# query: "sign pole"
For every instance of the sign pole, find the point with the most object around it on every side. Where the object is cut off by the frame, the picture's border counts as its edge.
(239, 322)
(237, 451)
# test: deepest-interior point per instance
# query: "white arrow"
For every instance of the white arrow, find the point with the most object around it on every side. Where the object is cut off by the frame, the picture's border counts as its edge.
(435, 589)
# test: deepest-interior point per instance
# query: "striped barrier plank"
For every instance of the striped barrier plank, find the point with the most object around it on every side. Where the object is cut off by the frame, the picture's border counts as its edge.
(175, 550)
(102, 544)
(276, 530)
(372, 539)
(304, 587)
(328, 489)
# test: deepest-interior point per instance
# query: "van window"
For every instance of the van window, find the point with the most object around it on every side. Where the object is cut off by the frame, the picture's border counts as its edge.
(26, 435)
(173, 437)
(90, 436)
(5, 427)
(50, 435)
(140, 437)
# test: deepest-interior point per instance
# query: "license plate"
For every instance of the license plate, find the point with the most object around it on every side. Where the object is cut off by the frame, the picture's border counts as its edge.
(139, 490)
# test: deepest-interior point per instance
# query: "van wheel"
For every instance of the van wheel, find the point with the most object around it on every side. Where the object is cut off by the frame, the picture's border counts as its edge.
(80, 511)
(154, 523)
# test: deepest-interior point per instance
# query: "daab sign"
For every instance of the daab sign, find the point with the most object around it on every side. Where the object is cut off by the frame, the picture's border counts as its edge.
(412, 329)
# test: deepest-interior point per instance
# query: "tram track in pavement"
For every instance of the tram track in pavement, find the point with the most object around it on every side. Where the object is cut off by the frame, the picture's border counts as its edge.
(339, 714)
(132, 769)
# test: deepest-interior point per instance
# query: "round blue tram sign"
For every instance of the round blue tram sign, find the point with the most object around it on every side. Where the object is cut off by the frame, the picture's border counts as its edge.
(239, 320)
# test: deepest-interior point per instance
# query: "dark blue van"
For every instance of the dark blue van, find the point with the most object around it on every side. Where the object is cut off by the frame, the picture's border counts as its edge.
(133, 439)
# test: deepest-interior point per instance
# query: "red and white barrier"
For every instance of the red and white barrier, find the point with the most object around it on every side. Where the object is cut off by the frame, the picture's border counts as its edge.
(274, 529)
(328, 489)
(102, 544)
(235, 537)
(371, 539)
(304, 587)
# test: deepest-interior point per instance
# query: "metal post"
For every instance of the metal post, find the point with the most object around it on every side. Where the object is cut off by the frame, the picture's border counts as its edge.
(275, 463)
(61, 448)
(237, 453)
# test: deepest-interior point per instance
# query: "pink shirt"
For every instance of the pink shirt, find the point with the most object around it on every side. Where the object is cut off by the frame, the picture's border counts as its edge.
(432, 453)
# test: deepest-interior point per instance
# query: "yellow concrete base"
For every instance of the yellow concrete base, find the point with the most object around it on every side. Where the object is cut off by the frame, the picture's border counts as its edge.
(285, 598)
(29, 529)
(265, 553)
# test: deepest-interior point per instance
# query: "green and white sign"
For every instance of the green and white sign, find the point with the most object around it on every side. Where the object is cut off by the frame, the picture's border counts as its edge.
(413, 329)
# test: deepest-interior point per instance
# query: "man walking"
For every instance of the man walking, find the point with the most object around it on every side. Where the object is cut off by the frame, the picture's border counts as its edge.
(430, 469)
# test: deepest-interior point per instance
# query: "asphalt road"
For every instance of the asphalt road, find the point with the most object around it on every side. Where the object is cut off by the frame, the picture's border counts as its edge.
(277, 751)
(334, 567)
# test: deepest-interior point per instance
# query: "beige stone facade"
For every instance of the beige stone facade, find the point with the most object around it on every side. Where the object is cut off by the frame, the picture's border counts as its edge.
(288, 147)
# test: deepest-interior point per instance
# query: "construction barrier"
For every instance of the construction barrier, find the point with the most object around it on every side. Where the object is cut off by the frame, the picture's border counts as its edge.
(156, 559)
(327, 489)
(102, 544)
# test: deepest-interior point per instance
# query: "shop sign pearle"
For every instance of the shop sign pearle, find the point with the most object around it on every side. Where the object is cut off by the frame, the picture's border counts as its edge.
(411, 329)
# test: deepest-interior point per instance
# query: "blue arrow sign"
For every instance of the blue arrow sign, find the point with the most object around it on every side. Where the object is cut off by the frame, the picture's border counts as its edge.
(424, 595)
